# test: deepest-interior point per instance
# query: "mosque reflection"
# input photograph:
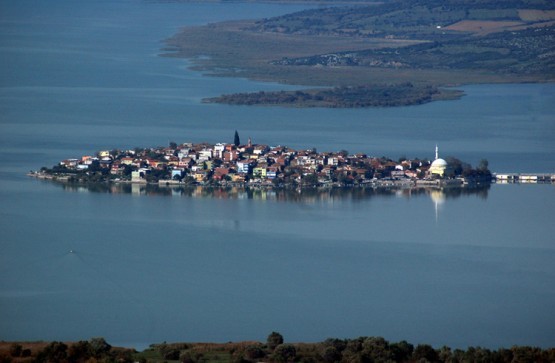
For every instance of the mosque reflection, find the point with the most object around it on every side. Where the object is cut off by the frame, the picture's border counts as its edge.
(305, 195)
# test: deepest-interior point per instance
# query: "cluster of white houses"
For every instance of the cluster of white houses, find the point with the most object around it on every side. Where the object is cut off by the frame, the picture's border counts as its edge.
(222, 163)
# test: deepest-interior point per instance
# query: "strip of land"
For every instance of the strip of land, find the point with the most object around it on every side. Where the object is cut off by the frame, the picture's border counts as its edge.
(275, 349)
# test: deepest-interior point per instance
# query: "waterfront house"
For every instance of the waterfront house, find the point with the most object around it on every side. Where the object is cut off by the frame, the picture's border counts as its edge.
(220, 173)
(260, 171)
(201, 175)
(117, 168)
(87, 160)
(260, 149)
(231, 155)
(186, 163)
(205, 154)
(333, 161)
(245, 166)
(219, 150)
(177, 173)
(238, 177)
(127, 160)
(271, 172)
(70, 163)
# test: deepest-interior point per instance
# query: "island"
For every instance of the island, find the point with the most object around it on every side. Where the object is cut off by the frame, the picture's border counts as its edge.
(382, 95)
(364, 54)
(260, 165)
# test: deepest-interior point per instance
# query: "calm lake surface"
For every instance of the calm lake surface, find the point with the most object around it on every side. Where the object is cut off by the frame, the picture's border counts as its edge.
(430, 267)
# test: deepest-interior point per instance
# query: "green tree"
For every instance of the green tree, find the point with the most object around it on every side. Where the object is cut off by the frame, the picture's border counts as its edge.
(284, 353)
(273, 340)
(94, 166)
(16, 350)
(331, 355)
(483, 166)
(53, 352)
(99, 347)
(425, 351)
(236, 140)
(254, 352)
(79, 351)
(310, 180)
(401, 350)
(376, 349)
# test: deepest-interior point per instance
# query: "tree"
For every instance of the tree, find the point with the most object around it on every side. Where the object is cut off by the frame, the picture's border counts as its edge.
(331, 354)
(274, 339)
(236, 140)
(483, 165)
(401, 350)
(53, 352)
(94, 166)
(376, 349)
(425, 351)
(284, 353)
(16, 350)
(254, 352)
(310, 180)
(79, 351)
(99, 347)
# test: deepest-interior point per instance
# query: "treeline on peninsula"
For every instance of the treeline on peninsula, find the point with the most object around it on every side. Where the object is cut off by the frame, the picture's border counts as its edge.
(362, 349)
(385, 95)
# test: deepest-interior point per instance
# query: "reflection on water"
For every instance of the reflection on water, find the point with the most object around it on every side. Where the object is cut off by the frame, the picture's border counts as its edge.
(305, 195)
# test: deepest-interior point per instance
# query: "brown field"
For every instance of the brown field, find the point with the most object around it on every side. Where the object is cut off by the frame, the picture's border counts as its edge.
(34, 347)
(480, 27)
(536, 15)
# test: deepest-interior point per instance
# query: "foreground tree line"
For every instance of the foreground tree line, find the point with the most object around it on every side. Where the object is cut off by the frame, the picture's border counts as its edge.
(360, 350)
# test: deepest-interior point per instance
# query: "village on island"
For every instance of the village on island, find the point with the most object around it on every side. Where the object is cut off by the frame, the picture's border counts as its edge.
(256, 165)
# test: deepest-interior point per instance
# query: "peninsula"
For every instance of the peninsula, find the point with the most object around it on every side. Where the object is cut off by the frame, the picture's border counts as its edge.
(237, 164)
(364, 55)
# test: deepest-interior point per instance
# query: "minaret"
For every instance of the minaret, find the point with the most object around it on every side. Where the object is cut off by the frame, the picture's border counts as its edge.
(437, 152)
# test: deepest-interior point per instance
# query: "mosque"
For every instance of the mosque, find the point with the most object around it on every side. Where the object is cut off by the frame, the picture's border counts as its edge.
(440, 167)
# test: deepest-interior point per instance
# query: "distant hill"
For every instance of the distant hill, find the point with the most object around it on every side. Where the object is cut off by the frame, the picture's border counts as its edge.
(425, 42)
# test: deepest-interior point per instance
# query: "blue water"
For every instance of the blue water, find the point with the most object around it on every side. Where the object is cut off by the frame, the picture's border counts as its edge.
(426, 267)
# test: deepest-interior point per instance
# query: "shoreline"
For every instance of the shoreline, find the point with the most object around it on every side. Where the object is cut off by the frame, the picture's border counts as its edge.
(385, 183)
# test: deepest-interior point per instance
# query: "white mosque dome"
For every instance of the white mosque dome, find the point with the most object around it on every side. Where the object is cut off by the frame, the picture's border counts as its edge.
(439, 166)
(439, 163)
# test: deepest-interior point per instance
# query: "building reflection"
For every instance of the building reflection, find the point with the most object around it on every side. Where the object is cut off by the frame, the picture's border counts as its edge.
(307, 195)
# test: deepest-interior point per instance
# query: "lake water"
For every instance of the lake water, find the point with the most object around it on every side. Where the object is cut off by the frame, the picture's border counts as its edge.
(439, 268)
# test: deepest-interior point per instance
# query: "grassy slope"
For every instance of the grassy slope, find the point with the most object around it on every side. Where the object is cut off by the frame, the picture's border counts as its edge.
(225, 49)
